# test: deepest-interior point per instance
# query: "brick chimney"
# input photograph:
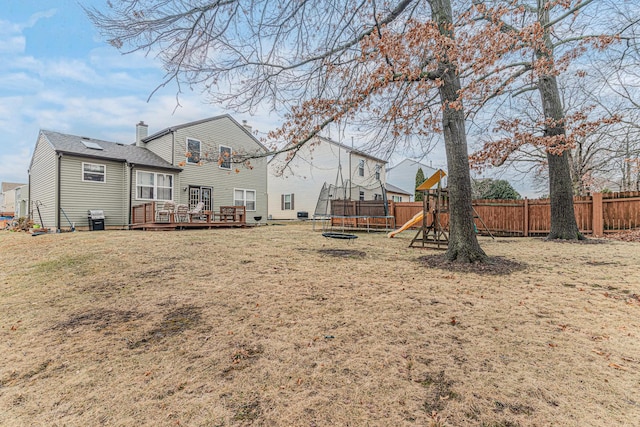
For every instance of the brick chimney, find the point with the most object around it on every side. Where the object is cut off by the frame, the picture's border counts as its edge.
(142, 131)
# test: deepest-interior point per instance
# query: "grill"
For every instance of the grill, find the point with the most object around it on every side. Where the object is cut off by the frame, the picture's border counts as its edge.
(96, 219)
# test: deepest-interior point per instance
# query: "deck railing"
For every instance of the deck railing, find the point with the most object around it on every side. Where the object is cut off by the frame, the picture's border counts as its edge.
(144, 213)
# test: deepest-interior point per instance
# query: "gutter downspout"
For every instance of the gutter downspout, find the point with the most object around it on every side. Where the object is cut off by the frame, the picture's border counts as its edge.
(131, 166)
(29, 197)
(350, 153)
(173, 163)
(173, 147)
(58, 190)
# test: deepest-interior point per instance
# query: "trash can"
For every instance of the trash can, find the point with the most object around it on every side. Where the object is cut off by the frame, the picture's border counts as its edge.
(96, 220)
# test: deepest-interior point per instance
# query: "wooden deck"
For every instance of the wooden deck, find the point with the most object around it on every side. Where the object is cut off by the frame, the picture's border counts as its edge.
(168, 226)
(144, 218)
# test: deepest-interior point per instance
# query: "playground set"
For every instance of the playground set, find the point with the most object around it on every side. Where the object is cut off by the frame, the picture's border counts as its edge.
(433, 232)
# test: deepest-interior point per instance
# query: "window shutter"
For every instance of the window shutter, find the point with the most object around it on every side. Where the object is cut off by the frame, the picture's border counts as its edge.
(282, 202)
(291, 201)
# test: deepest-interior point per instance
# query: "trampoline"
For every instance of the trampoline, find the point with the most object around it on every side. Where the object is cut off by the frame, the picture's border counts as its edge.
(343, 236)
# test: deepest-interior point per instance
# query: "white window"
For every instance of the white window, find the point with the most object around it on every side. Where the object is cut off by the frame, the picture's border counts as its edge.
(286, 202)
(397, 198)
(378, 172)
(225, 157)
(245, 198)
(193, 151)
(362, 195)
(154, 186)
(92, 172)
(361, 168)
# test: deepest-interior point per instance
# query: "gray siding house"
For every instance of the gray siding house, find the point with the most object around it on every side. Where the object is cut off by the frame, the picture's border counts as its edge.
(70, 175)
(204, 150)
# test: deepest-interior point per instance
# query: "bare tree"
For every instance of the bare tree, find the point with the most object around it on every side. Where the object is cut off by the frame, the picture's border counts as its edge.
(548, 36)
(595, 123)
(395, 66)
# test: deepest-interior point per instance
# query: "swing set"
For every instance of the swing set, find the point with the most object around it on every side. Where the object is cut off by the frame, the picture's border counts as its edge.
(435, 202)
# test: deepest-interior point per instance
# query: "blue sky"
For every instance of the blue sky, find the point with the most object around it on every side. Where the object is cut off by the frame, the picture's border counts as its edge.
(57, 74)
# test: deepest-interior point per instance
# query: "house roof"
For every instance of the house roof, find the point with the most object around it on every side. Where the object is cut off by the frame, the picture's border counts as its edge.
(346, 148)
(412, 163)
(393, 189)
(197, 122)
(352, 149)
(8, 186)
(78, 146)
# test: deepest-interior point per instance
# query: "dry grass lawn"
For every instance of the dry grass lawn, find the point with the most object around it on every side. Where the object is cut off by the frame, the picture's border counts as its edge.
(278, 326)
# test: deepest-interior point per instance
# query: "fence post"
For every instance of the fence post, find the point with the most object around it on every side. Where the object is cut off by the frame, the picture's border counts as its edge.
(598, 215)
(525, 206)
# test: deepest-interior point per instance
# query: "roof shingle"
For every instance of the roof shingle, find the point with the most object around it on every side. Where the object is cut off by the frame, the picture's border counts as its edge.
(74, 145)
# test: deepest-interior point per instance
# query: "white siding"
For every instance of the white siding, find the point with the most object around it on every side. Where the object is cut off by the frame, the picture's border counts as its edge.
(312, 167)
(8, 201)
(22, 201)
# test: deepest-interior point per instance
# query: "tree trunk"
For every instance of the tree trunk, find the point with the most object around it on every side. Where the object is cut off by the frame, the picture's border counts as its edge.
(563, 219)
(463, 242)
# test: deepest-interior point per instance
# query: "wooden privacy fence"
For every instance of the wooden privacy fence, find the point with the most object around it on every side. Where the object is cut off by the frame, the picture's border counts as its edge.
(596, 214)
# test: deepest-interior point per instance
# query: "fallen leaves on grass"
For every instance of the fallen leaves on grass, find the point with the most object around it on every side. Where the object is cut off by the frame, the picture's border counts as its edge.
(618, 367)
(495, 266)
(626, 236)
(343, 253)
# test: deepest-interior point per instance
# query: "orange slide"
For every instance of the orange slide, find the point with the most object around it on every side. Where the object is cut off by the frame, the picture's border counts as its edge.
(413, 221)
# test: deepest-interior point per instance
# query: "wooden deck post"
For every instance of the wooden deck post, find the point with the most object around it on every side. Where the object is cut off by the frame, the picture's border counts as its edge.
(598, 215)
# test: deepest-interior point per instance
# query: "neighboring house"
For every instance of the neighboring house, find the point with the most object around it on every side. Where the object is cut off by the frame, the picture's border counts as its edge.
(8, 198)
(403, 175)
(295, 184)
(70, 175)
(22, 201)
(397, 194)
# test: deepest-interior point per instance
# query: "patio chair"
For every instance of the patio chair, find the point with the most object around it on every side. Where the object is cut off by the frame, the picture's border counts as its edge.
(182, 213)
(166, 212)
(196, 212)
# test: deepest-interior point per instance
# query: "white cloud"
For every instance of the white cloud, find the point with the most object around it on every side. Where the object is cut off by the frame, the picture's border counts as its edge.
(75, 70)
(19, 82)
(12, 44)
(12, 39)
(14, 164)
(33, 20)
